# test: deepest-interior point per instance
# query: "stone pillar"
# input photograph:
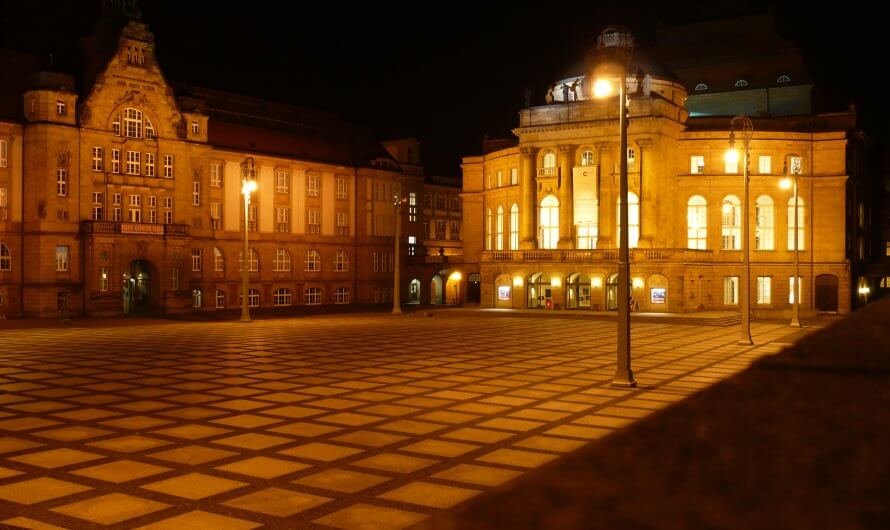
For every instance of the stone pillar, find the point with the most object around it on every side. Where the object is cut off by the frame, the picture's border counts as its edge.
(566, 196)
(528, 192)
(606, 195)
(648, 193)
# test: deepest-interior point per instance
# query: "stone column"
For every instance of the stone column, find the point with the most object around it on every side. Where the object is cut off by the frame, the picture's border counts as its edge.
(566, 196)
(648, 193)
(528, 192)
(606, 196)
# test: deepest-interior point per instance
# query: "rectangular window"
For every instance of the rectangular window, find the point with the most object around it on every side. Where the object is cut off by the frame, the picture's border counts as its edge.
(97, 206)
(97, 197)
(116, 199)
(765, 165)
(631, 159)
(282, 182)
(133, 162)
(215, 179)
(116, 214)
(216, 214)
(764, 289)
(135, 200)
(282, 220)
(697, 164)
(61, 107)
(730, 290)
(103, 279)
(196, 259)
(195, 127)
(514, 176)
(115, 160)
(312, 185)
(500, 178)
(61, 259)
(98, 159)
(196, 193)
(440, 229)
(731, 165)
(342, 223)
(135, 216)
(455, 229)
(149, 164)
(168, 166)
(62, 182)
(4, 153)
(791, 288)
(342, 190)
(168, 217)
(152, 216)
(313, 217)
(220, 299)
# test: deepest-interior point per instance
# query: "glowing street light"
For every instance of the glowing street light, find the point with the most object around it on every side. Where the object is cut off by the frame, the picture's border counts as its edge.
(602, 88)
(732, 155)
(786, 184)
(248, 186)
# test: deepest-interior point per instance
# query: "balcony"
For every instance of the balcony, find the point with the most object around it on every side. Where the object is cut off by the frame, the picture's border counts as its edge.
(548, 172)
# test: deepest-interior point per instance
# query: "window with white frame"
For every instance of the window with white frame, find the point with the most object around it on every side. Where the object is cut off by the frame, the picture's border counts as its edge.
(412, 207)
(764, 223)
(133, 162)
(149, 164)
(168, 202)
(197, 255)
(488, 234)
(514, 227)
(253, 263)
(116, 125)
(216, 214)
(168, 166)
(132, 123)
(220, 299)
(731, 227)
(313, 296)
(764, 289)
(98, 159)
(342, 295)
(282, 261)
(253, 298)
(195, 127)
(730, 290)
(514, 176)
(215, 178)
(633, 219)
(342, 223)
(116, 214)
(61, 108)
(697, 164)
(116, 199)
(219, 260)
(5, 258)
(312, 185)
(4, 153)
(135, 200)
(342, 189)
(62, 258)
(587, 158)
(152, 216)
(548, 229)
(341, 261)
(282, 182)
(791, 288)
(313, 260)
(313, 221)
(115, 160)
(631, 159)
(282, 219)
(783, 79)
(197, 299)
(103, 279)
(152, 201)
(135, 215)
(196, 193)
(499, 230)
(700, 87)
(62, 182)
(98, 200)
(765, 165)
(801, 224)
(282, 297)
(168, 217)
(697, 222)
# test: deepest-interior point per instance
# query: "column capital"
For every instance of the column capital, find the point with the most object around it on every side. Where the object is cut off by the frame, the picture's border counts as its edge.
(528, 152)
(602, 146)
(567, 148)
(644, 142)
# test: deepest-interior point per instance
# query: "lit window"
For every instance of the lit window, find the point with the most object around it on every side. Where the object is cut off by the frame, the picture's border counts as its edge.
(132, 123)
(342, 295)
(488, 234)
(801, 224)
(731, 165)
(282, 297)
(500, 178)
(764, 223)
(97, 159)
(195, 127)
(61, 259)
(313, 260)
(219, 261)
(764, 289)
(282, 182)
(282, 261)
(499, 239)
(766, 165)
(697, 222)
(5, 258)
(548, 234)
(61, 108)
(514, 176)
(215, 179)
(103, 279)
(731, 229)
(796, 165)
(730, 290)
(633, 220)
(197, 256)
(587, 158)
(514, 227)
(791, 288)
(312, 185)
(697, 164)
(341, 261)
(313, 296)
(62, 182)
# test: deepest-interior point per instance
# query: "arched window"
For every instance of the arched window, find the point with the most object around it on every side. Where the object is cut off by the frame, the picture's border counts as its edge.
(219, 260)
(150, 133)
(499, 241)
(132, 123)
(282, 297)
(5, 258)
(697, 222)
(341, 261)
(282, 261)
(587, 158)
(732, 225)
(342, 295)
(783, 79)
(514, 227)
(701, 87)
(549, 219)
(801, 224)
(253, 261)
(197, 299)
(633, 220)
(549, 160)
(488, 229)
(764, 223)
(741, 83)
(313, 296)
(313, 260)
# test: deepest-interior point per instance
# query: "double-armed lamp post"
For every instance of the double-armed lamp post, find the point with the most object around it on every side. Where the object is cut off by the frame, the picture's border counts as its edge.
(248, 186)
(398, 199)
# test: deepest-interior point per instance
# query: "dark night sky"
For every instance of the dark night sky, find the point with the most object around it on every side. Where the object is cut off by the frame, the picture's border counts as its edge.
(446, 72)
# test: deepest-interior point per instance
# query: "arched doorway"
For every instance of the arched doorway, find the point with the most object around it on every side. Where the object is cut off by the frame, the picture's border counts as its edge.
(452, 295)
(474, 287)
(436, 290)
(414, 291)
(826, 293)
(538, 291)
(612, 292)
(136, 288)
(578, 291)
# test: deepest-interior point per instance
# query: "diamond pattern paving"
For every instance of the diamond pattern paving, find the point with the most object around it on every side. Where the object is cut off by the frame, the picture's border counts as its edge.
(356, 422)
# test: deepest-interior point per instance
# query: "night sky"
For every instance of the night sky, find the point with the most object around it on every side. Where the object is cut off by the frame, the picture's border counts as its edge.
(445, 72)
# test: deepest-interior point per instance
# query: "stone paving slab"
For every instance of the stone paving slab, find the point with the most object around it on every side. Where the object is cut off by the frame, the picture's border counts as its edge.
(336, 421)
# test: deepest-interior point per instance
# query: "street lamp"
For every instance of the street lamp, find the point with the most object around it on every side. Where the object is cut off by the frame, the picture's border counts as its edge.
(248, 186)
(785, 184)
(397, 201)
(746, 131)
(615, 46)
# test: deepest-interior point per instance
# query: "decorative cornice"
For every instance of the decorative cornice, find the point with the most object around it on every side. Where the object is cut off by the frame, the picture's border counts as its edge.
(567, 148)
(528, 152)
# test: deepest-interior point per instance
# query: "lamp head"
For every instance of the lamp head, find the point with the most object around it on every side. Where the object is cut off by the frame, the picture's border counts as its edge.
(785, 183)
(732, 154)
(248, 187)
(602, 88)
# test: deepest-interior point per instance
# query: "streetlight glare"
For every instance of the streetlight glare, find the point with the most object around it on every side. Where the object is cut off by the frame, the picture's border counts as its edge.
(732, 155)
(727, 208)
(785, 184)
(602, 88)
(248, 187)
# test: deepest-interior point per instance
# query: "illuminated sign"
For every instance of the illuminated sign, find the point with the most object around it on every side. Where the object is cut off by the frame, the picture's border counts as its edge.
(657, 295)
(503, 292)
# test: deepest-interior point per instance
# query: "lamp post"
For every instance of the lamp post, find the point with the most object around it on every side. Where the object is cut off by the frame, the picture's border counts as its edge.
(397, 201)
(746, 131)
(615, 44)
(248, 186)
(795, 307)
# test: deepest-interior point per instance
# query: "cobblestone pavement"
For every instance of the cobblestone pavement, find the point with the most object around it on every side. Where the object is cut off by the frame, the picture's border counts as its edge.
(347, 421)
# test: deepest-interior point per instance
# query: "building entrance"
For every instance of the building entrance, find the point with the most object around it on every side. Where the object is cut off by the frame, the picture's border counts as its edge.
(612, 292)
(136, 291)
(578, 291)
(414, 291)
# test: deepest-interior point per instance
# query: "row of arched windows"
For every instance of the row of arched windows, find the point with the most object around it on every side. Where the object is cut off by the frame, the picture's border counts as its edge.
(495, 235)
(742, 83)
(731, 223)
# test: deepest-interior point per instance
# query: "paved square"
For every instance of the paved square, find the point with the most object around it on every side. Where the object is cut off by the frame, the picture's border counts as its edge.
(362, 421)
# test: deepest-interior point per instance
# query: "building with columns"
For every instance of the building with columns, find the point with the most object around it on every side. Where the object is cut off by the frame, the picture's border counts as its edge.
(547, 206)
